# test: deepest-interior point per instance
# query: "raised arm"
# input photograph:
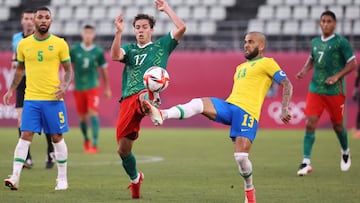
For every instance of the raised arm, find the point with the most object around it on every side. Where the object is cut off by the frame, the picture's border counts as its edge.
(19, 73)
(309, 64)
(116, 53)
(286, 97)
(180, 26)
(60, 93)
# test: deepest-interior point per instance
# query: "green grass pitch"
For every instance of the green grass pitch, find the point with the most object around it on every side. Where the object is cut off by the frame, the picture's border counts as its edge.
(188, 165)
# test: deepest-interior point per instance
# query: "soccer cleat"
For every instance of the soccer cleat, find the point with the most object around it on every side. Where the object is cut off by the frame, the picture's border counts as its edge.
(155, 113)
(345, 162)
(135, 187)
(250, 196)
(61, 184)
(357, 134)
(92, 150)
(12, 182)
(28, 164)
(304, 169)
(49, 164)
(86, 145)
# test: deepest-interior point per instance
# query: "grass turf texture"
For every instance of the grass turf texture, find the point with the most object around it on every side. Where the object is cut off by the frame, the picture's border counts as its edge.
(197, 166)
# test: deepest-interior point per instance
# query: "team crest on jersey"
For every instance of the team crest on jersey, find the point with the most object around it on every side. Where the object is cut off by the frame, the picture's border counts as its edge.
(51, 47)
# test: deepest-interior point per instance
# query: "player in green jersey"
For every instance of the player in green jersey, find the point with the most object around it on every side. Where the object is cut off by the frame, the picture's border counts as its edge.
(331, 58)
(86, 58)
(138, 57)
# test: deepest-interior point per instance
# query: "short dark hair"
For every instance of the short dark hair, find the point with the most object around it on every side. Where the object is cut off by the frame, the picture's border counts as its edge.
(329, 13)
(142, 16)
(87, 26)
(27, 10)
(42, 8)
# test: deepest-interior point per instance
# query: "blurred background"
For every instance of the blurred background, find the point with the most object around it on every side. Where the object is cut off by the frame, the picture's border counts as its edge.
(205, 60)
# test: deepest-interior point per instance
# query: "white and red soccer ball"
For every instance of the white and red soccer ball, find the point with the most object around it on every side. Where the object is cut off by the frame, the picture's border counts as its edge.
(156, 79)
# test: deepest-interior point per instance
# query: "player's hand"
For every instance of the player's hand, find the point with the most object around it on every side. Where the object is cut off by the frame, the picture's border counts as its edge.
(119, 23)
(285, 116)
(108, 93)
(300, 75)
(331, 80)
(161, 5)
(7, 97)
(61, 90)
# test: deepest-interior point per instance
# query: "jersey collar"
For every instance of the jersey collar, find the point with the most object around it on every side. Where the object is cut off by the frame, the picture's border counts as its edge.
(328, 38)
(42, 39)
(145, 45)
(87, 48)
(252, 60)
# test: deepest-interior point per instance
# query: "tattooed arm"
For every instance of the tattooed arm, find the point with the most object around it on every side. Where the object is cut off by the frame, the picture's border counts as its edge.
(19, 73)
(60, 93)
(286, 97)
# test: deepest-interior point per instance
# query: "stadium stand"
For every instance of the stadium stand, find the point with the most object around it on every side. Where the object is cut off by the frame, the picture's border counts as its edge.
(211, 24)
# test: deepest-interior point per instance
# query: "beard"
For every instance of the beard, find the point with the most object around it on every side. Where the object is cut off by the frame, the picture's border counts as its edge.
(252, 54)
(42, 30)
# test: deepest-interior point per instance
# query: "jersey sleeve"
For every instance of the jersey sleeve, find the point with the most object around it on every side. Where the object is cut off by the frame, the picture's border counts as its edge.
(73, 53)
(125, 48)
(14, 43)
(20, 53)
(274, 70)
(101, 58)
(346, 50)
(168, 42)
(64, 52)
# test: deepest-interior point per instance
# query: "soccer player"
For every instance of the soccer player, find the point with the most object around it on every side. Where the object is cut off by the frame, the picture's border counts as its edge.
(44, 108)
(27, 23)
(331, 58)
(138, 57)
(241, 110)
(86, 58)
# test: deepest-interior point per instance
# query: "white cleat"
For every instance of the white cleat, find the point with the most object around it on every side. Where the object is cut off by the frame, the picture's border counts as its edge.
(304, 169)
(345, 162)
(12, 182)
(61, 184)
(155, 113)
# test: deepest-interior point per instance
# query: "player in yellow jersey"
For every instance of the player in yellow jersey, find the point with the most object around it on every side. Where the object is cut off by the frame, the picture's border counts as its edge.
(241, 110)
(44, 108)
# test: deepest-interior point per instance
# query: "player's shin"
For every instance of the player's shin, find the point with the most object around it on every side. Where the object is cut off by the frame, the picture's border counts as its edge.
(61, 155)
(343, 139)
(95, 129)
(129, 164)
(309, 139)
(194, 107)
(21, 151)
(245, 169)
(83, 128)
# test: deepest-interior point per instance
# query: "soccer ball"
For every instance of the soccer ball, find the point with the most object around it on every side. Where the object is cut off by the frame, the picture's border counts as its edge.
(156, 79)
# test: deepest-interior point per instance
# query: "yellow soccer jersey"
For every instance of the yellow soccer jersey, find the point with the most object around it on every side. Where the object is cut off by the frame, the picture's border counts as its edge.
(42, 59)
(252, 81)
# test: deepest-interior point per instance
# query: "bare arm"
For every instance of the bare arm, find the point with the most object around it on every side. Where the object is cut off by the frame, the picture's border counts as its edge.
(116, 53)
(19, 73)
(60, 93)
(350, 66)
(286, 97)
(105, 76)
(309, 64)
(180, 26)
(14, 63)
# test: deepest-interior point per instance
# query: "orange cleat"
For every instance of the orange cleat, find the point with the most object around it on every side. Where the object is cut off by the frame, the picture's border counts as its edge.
(86, 145)
(135, 187)
(357, 134)
(92, 150)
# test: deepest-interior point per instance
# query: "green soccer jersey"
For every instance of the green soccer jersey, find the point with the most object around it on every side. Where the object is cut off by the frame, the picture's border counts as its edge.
(86, 61)
(138, 59)
(330, 57)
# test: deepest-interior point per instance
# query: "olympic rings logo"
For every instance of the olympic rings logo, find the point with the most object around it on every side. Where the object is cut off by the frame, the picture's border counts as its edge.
(296, 112)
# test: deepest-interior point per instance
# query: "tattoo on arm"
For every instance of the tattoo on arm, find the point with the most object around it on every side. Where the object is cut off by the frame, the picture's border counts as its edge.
(287, 93)
(19, 73)
(68, 74)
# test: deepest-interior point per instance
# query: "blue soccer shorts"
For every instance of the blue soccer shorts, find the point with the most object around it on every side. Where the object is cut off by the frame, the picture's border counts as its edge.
(242, 123)
(49, 116)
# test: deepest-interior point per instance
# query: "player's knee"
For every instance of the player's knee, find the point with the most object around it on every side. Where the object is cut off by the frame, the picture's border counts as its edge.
(242, 159)
(123, 152)
(310, 125)
(338, 127)
(56, 138)
(25, 135)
